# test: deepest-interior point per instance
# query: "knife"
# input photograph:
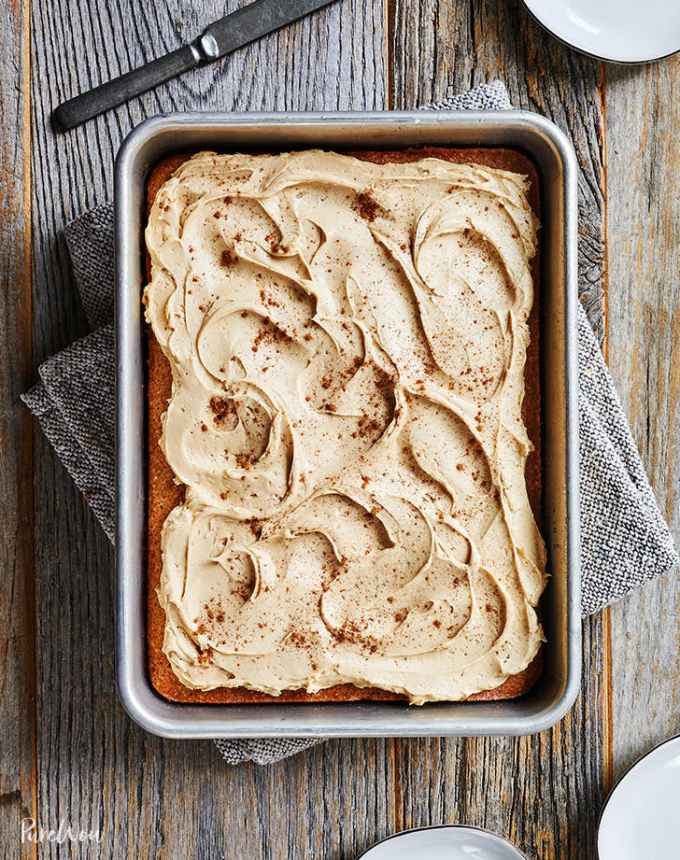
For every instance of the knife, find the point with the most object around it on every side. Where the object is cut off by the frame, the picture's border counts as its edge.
(219, 39)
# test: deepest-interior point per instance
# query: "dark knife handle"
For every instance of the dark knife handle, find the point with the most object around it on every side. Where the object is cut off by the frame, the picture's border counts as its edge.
(83, 107)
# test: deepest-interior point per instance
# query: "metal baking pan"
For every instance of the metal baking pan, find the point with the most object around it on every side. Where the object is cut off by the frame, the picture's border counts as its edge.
(554, 157)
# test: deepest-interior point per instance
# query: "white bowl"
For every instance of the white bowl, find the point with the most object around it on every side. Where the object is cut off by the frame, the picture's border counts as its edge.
(641, 818)
(446, 842)
(619, 31)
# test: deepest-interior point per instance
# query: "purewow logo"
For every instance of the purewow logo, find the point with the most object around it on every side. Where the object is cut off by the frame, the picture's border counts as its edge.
(65, 832)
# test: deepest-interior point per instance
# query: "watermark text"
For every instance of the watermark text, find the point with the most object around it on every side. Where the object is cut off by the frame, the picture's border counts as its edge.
(31, 831)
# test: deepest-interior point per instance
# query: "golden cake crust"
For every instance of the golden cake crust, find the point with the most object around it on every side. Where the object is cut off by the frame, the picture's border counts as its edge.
(164, 494)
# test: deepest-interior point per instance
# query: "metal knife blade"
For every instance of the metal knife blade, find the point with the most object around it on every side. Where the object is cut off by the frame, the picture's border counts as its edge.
(220, 38)
(254, 21)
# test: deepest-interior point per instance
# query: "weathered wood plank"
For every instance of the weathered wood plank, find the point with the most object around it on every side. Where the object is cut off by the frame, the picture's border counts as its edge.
(643, 117)
(17, 597)
(147, 797)
(543, 792)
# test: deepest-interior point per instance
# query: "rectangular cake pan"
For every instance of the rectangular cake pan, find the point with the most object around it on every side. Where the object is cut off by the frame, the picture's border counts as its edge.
(554, 158)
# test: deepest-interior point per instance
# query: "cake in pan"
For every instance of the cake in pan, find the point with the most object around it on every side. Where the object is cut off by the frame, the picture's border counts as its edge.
(344, 414)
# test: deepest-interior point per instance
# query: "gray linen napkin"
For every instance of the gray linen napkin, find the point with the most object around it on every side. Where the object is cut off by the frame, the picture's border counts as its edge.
(624, 540)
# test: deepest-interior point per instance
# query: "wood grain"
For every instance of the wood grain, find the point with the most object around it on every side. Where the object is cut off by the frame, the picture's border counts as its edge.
(643, 117)
(17, 610)
(441, 48)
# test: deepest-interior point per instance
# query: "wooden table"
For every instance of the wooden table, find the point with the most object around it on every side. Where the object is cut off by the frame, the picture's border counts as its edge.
(67, 750)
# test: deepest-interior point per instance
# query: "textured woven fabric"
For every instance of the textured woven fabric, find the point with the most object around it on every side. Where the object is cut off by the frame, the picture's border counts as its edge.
(75, 404)
(624, 540)
(491, 96)
(263, 750)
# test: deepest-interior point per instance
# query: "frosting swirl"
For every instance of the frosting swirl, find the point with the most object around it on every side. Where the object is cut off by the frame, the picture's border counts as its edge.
(347, 343)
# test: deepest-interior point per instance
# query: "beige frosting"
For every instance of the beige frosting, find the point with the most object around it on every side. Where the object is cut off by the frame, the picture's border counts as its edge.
(347, 343)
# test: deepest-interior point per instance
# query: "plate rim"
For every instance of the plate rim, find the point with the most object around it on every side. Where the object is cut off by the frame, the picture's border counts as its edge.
(603, 59)
(623, 776)
(485, 830)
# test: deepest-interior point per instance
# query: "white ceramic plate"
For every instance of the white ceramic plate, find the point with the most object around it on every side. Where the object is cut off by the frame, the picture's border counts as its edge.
(621, 31)
(641, 818)
(447, 842)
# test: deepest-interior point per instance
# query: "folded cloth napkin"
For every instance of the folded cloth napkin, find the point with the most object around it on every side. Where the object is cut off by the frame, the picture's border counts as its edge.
(624, 540)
